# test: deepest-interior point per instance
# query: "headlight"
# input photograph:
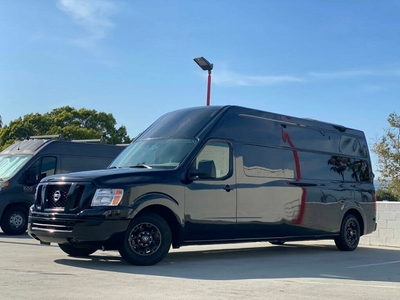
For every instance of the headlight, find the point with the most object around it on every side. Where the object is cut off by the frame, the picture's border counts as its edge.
(3, 185)
(104, 197)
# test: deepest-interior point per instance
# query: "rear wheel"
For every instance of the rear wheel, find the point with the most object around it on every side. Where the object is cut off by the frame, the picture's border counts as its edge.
(15, 220)
(349, 234)
(71, 250)
(147, 240)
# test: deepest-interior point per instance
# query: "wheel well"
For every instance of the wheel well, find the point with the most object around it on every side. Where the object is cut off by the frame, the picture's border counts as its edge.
(169, 217)
(23, 204)
(356, 214)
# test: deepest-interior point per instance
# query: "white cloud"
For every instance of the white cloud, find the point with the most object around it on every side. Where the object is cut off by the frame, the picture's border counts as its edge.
(93, 15)
(227, 78)
(354, 74)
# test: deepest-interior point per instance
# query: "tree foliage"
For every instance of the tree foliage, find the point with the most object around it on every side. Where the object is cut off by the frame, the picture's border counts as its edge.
(384, 195)
(388, 150)
(72, 123)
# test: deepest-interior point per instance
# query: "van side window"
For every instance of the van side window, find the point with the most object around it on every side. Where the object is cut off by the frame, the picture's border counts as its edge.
(41, 168)
(217, 153)
(259, 161)
(48, 165)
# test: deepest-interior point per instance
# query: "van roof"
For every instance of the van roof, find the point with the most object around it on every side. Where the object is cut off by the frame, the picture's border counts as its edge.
(25, 147)
(31, 147)
(192, 122)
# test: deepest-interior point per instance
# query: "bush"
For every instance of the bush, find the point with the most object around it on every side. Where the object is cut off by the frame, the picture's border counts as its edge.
(385, 195)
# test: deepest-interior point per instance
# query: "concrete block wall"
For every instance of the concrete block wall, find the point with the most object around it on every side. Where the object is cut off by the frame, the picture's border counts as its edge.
(388, 230)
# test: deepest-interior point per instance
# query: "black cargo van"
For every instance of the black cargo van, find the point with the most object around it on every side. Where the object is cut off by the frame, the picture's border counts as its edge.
(214, 175)
(25, 163)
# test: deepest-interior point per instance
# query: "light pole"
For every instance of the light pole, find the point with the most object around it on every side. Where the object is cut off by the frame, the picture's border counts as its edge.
(206, 66)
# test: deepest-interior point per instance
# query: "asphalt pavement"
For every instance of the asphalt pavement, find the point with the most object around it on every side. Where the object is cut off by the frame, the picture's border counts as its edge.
(306, 270)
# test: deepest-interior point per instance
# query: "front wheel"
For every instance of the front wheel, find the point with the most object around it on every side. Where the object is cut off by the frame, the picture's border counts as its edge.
(349, 234)
(71, 250)
(15, 220)
(147, 240)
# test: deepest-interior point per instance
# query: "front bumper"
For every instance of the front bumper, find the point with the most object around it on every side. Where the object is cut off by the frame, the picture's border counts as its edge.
(79, 230)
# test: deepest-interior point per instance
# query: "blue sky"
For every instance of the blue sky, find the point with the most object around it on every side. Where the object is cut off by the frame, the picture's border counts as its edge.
(336, 61)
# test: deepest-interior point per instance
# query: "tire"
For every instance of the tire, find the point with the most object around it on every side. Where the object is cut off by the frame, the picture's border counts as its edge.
(15, 220)
(146, 241)
(349, 234)
(71, 250)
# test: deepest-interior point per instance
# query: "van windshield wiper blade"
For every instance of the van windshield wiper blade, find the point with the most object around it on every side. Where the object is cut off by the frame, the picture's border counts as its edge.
(140, 165)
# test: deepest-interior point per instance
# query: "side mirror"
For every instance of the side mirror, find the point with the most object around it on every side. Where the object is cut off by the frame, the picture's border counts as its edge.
(205, 170)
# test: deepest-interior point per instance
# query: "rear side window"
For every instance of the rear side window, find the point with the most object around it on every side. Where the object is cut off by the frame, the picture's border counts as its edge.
(333, 167)
(259, 161)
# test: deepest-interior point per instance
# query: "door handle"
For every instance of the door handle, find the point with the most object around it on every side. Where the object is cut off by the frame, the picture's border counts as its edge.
(228, 188)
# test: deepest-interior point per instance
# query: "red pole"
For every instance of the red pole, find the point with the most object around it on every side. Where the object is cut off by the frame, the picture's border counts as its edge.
(208, 88)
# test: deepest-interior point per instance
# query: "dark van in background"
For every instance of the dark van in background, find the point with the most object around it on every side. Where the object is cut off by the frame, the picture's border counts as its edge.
(25, 163)
(214, 174)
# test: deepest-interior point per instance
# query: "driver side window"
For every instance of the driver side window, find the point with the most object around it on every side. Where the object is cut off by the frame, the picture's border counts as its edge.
(41, 168)
(219, 154)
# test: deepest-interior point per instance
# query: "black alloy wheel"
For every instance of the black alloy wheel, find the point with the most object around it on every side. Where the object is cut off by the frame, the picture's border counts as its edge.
(147, 240)
(349, 234)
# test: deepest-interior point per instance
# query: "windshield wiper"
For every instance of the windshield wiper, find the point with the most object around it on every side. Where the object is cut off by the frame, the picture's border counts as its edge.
(140, 165)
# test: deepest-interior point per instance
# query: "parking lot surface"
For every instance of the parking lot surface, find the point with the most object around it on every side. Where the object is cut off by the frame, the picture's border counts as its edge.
(301, 270)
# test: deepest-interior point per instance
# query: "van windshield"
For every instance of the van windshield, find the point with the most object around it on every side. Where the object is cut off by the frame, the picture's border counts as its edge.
(11, 164)
(154, 153)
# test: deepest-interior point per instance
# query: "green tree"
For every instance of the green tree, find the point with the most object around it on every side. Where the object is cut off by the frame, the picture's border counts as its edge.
(383, 194)
(388, 150)
(72, 123)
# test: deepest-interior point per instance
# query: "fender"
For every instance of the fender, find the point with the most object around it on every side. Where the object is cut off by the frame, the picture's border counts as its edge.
(158, 199)
(350, 204)
(6, 201)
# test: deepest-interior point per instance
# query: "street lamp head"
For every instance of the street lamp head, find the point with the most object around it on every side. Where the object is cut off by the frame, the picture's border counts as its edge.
(203, 63)
(206, 66)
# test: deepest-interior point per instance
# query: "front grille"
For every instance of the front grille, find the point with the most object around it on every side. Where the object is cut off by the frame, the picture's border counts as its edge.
(57, 196)
(67, 197)
(78, 197)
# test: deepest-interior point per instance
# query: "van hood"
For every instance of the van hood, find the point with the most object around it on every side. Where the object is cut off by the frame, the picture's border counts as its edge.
(114, 176)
